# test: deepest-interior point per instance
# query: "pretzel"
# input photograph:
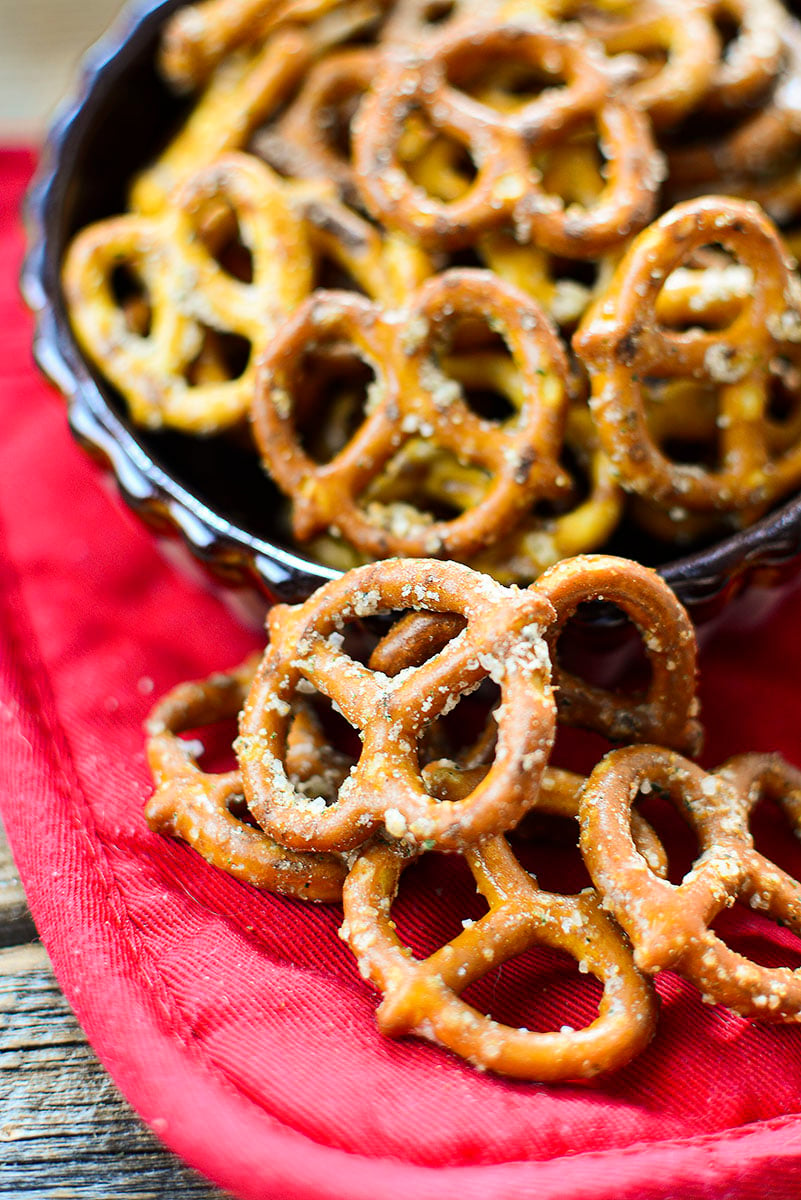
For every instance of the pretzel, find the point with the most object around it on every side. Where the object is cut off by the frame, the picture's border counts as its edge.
(621, 343)
(668, 708)
(762, 139)
(578, 524)
(501, 143)
(203, 808)
(412, 397)
(387, 267)
(311, 138)
(422, 997)
(670, 925)
(385, 787)
(200, 36)
(187, 291)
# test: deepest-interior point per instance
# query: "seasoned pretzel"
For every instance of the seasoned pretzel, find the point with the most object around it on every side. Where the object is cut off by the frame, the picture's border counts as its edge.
(188, 290)
(761, 141)
(201, 808)
(412, 397)
(670, 924)
(385, 787)
(423, 996)
(387, 267)
(311, 139)
(559, 796)
(668, 710)
(621, 343)
(577, 525)
(501, 143)
(241, 94)
(199, 36)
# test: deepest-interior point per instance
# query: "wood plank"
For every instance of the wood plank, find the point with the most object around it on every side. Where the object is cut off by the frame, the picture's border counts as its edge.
(65, 1131)
(15, 921)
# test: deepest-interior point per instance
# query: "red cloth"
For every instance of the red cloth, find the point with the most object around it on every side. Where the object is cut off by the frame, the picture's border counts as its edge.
(236, 1023)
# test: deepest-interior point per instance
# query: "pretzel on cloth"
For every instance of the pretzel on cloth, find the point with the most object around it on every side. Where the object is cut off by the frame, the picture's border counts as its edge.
(423, 997)
(187, 291)
(621, 343)
(670, 924)
(202, 808)
(501, 143)
(502, 638)
(412, 396)
(666, 708)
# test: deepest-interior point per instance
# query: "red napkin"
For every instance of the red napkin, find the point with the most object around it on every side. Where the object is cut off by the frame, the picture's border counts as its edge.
(236, 1023)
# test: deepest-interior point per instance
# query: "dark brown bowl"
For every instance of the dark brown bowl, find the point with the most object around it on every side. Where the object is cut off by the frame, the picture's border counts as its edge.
(211, 492)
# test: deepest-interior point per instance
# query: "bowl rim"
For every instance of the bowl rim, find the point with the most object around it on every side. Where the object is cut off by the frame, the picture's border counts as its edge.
(237, 556)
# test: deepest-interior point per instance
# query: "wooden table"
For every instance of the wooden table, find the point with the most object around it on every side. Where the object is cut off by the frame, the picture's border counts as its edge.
(65, 1131)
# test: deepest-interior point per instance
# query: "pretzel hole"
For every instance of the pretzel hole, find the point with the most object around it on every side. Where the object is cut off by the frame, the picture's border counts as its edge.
(437, 894)
(439, 165)
(757, 936)
(480, 376)
(682, 419)
(222, 357)
(333, 391)
(541, 990)
(334, 116)
(495, 77)
(211, 745)
(238, 808)
(466, 734)
(775, 835)
(677, 836)
(574, 170)
(601, 645)
(546, 845)
(420, 485)
(708, 292)
(784, 394)
(220, 233)
(130, 294)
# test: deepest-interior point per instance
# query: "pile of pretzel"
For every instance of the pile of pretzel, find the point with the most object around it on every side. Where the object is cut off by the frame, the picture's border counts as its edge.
(410, 708)
(406, 245)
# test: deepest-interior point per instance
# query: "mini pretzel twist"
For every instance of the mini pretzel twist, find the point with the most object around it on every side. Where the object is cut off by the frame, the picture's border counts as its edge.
(186, 290)
(413, 397)
(667, 709)
(622, 343)
(423, 997)
(502, 638)
(502, 143)
(670, 924)
(201, 808)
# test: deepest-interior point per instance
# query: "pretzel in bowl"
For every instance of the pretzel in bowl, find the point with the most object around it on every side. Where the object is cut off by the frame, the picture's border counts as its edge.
(423, 997)
(434, 88)
(187, 291)
(670, 924)
(623, 345)
(502, 639)
(411, 397)
(207, 809)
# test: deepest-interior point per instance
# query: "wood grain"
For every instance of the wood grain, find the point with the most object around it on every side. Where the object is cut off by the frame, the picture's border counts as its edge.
(65, 1131)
